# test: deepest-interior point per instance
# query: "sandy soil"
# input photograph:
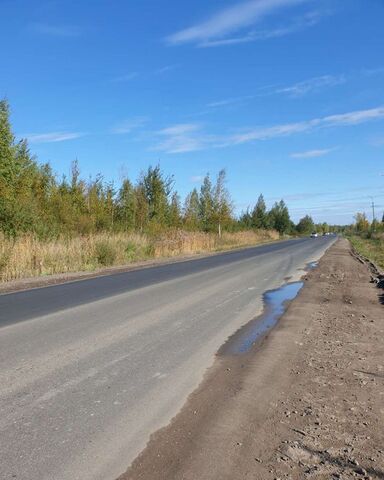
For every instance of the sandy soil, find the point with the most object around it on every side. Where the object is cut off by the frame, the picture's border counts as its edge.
(306, 402)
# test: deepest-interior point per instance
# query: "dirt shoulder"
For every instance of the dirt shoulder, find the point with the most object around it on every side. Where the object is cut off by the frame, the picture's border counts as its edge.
(306, 402)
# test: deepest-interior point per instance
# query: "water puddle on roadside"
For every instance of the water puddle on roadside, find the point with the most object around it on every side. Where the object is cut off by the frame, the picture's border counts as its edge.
(275, 305)
(312, 265)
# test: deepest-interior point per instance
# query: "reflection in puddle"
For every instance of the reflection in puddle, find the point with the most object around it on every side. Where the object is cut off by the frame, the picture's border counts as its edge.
(312, 265)
(275, 305)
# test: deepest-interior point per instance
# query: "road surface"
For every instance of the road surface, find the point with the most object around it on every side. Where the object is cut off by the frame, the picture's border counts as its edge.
(89, 369)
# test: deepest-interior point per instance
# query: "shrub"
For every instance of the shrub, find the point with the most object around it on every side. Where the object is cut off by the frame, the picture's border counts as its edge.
(131, 251)
(105, 253)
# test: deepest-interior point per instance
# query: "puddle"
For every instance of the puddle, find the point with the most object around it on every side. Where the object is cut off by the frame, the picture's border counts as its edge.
(312, 265)
(275, 304)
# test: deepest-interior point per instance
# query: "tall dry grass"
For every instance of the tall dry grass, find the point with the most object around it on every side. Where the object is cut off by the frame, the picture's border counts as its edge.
(28, 256)
(372, 248)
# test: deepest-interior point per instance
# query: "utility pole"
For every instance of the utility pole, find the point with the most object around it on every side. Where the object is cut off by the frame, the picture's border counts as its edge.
(373, 214)
(373, 210)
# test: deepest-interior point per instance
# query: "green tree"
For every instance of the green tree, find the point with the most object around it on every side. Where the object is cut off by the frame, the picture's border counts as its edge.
(222, 204)
(175, 211)
(361, 222)
(279, 217)
(141, 213)
(246, 220)
(206, 204)
(305, 225)
(259, 214)
(192, 210)
(126, 205)
(157, 188)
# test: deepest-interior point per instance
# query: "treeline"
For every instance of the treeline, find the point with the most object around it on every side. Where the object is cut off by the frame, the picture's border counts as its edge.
(364, 227)
(34, 200)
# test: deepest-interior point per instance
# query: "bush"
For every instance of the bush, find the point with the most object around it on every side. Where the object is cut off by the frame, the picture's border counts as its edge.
(105, 253)
(131, 251)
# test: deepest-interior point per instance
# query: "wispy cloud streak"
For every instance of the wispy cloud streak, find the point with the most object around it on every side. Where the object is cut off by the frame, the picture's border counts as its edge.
(182, 138)
(312, 84)
(191, 137)
(351, 118)
(229, 21)
(127, 126)
(312, 153)
(52, 137)
(306, 21)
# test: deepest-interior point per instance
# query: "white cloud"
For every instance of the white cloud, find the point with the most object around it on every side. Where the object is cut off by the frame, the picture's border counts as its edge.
(265, 133)
(182, 138)
(179, 129)
(128, 125)
(56, 30)
(308, 20)
(190, 137)
(312, 153)
(229, 101)
(313, 84)
(230, 20)
(52, 137)
(354, 118)
(350, 118)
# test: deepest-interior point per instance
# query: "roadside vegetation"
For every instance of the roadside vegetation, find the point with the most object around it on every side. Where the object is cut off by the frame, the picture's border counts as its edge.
(51, 224)
(29, 256)
(368, 238)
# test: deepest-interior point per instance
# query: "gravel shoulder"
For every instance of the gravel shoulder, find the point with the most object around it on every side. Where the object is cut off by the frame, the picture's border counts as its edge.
(306, 402)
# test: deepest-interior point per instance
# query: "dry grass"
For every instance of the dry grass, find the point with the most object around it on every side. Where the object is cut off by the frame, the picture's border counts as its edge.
(29, 257)
(372, 248)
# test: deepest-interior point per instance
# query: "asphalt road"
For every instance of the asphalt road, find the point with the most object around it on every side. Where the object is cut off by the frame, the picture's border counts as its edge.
(89, 369)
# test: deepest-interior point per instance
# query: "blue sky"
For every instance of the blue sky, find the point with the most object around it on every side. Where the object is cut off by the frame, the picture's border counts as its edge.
(287, 95)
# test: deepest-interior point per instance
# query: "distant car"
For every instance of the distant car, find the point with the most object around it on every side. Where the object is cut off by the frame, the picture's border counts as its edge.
(314, 235)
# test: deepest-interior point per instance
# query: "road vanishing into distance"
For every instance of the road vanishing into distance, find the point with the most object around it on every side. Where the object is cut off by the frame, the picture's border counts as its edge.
(89, 369)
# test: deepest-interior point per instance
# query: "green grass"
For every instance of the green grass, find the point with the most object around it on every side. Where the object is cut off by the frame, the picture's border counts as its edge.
(372, 248)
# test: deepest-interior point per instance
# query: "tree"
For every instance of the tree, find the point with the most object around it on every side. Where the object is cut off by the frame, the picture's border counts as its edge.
(192, 210)
(259, 214)
(23, 182)
(206, 200)
(175, 211)
(7, 148)
(305, 225)
(246, 220)
(157, 188)
(279, 217)
(325, 227)
(361, 222)
(222, 204)
(126, 205)
(141, 213)
(110, 204)
(34, 200)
